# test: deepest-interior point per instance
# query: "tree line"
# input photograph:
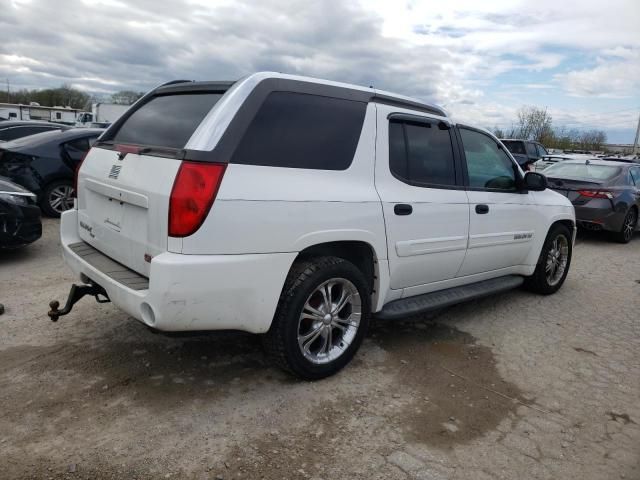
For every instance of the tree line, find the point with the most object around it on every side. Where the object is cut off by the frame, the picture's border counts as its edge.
(536, 124)
(65, 95)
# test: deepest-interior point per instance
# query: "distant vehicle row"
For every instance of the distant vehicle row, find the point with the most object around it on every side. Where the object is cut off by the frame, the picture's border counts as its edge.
(101, 113)
(45, 164)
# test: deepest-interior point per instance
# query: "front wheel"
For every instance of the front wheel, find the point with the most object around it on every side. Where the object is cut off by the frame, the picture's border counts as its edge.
(553, 264)
(321, 319)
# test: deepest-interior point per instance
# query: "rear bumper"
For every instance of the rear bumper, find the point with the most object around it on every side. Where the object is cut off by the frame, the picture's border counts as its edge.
(193, 292)
(595, 218)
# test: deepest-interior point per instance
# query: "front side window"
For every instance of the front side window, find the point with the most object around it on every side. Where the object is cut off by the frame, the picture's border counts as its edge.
(421, 154)
(488, 166)
(298, 130)
(531, 149)
(542, 151)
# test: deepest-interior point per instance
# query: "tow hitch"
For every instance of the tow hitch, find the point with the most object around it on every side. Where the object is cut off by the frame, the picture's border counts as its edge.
(75, 294)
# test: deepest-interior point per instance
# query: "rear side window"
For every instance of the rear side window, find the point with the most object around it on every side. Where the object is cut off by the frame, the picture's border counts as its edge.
(515, 146)
(19, 132)
(166, 121)
(421, 154)
(297, 130)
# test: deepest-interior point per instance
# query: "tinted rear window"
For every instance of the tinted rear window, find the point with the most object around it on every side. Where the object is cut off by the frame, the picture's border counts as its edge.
(515, 147)
(166, 121)
(582, 170)
(297, 130)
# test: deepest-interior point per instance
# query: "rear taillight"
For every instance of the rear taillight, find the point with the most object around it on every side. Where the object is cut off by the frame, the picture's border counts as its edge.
(596, 194)
(194, 190)
(74, 193)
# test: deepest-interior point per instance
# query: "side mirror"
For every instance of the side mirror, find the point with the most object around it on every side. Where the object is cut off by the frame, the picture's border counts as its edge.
(535, 181)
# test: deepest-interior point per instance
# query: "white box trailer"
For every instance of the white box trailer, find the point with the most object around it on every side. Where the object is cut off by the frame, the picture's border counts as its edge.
(101, 113)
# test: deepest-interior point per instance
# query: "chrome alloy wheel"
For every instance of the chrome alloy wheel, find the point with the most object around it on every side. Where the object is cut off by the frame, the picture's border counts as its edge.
(329, 320)
(557, 259)
(61, 198)
(629, 225)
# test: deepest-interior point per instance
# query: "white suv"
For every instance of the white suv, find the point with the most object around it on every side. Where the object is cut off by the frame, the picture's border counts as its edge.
(298, 208)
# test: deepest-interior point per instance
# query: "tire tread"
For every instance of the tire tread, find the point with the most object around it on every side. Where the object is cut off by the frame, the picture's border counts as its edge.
(274, 340)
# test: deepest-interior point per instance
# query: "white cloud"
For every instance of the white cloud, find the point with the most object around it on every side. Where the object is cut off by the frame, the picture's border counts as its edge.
(453, 53)
(609, 79)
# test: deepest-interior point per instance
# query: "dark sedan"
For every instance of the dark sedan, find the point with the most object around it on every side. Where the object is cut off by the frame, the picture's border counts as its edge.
(45, 164)
(14, 129)
(526, 152)
(605, 193)
(19, 216)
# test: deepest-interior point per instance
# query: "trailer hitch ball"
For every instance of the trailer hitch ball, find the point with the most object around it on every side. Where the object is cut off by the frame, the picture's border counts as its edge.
(53, 313)
(75, 294)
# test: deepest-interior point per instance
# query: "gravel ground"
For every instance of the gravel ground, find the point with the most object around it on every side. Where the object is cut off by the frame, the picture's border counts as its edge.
(514, 386)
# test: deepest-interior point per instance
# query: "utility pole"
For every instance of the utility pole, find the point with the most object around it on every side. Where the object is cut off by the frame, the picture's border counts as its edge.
(635, 142)
(8, 92)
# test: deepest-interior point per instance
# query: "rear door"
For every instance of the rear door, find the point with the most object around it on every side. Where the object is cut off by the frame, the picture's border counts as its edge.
(126, 180)
(424, 203)
(503, 219)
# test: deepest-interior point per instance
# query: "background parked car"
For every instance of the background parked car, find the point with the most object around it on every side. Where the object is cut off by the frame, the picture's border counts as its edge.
(45, 164)
(524, 151)
(19, 216)
(604, 193)
(11, 130)
(554, 158)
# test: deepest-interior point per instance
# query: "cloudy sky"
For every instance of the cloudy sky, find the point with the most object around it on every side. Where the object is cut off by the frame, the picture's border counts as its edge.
(481, 60)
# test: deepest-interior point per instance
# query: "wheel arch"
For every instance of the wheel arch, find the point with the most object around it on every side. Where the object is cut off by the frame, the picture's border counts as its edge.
(361, 253)
(561, 219)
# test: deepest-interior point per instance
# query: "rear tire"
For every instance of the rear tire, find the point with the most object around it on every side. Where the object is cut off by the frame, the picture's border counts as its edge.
(321, 319)
(628, 227)
(56, 198)
(554, 261)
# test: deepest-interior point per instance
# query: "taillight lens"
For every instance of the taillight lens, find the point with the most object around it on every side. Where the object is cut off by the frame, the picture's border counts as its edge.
(74, 194)
(596, 194)
(194, 190)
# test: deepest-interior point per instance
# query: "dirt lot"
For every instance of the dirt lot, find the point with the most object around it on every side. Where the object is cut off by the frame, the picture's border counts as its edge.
(515, 386)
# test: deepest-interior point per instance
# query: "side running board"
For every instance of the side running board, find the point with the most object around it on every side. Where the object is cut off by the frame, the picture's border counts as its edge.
(406, 307)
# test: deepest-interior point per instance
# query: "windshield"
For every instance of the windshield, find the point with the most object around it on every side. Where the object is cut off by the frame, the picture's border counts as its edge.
(582, 170)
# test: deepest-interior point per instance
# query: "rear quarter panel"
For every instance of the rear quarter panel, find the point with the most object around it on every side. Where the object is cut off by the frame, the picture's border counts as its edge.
(274, 210)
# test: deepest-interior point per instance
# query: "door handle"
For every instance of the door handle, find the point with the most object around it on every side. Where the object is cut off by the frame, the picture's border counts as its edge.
(482, 209)
(402, 209)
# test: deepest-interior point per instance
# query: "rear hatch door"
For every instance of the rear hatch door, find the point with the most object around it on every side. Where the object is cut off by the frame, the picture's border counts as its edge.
(125, 182)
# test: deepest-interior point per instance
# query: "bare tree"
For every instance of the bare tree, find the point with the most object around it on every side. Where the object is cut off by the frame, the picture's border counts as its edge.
(534, 124)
